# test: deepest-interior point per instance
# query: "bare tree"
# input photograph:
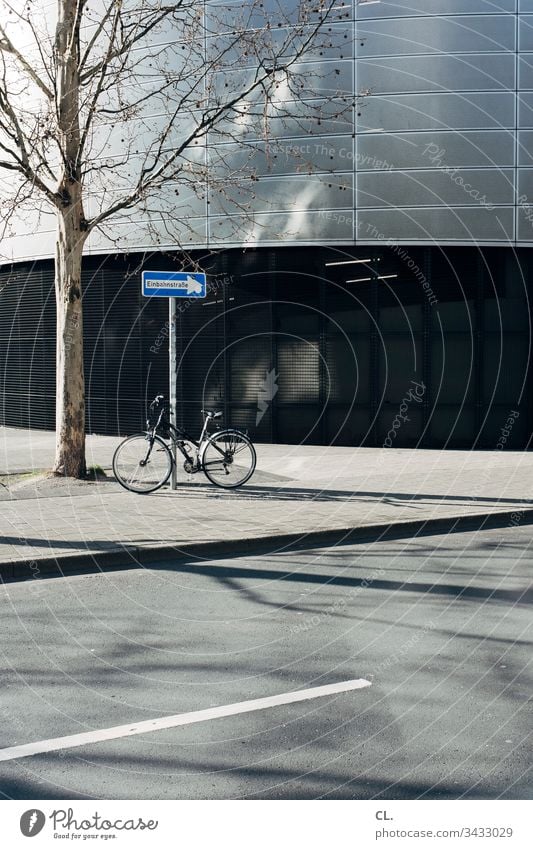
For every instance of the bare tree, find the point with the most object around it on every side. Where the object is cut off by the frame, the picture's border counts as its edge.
(106, 107)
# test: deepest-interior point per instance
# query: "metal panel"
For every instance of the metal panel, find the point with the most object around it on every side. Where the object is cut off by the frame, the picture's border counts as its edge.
(399, 8)
(332, 116)
(435, 149)
(447, 111)
(525, 23)
(236, 15)
(323, 226)
(464, 34)
(39, 245)
(177, 201)
(273, 194)
(280, 156)
(462, 225)
(525, 109)
(482, 187)
(525, 205)
(154, 234)
(525, 147)
(525, 185)
(120, 175)
(332, 42)
(403, 74)
(178, 53)
(525, 71)
(26, 216)
(114, 139)
(152, 98)
(169, 30)
(315, 78)
(525, 212)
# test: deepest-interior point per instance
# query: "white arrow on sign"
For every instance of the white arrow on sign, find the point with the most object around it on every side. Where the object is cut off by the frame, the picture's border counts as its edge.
(192, 285)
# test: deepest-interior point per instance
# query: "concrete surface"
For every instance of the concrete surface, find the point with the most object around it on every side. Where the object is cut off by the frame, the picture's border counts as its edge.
(296, 491)
(439, 625)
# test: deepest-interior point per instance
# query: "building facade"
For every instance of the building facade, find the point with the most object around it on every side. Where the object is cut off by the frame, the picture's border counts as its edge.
(379, 294)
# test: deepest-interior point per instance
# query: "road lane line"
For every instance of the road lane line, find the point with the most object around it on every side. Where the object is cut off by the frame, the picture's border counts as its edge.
(28, 749)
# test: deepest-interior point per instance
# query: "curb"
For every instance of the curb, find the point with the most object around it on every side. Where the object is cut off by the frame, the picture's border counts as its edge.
(128, 557)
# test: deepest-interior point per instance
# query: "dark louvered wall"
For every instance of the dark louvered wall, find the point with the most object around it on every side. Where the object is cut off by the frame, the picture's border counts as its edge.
(345, 350)
(289, 348)
(120, 327)
(27, 346)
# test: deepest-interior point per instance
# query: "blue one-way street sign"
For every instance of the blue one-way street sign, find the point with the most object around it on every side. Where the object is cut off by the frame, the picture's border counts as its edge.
(173, 284)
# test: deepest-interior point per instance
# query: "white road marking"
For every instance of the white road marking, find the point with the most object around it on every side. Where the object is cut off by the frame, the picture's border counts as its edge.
(28, 749)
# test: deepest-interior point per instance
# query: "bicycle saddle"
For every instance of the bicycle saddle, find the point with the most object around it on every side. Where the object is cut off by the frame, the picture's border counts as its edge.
(212, 414)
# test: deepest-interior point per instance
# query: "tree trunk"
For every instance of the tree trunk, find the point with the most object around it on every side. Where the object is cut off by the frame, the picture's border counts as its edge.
(70, 382)
(71, 235)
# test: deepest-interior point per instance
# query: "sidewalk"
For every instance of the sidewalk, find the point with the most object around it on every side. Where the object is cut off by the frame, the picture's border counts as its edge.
(296, 492)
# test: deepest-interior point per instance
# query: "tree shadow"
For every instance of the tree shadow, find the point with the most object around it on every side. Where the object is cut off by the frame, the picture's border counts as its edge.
(225, 573)
(22, 787)
(301, 493)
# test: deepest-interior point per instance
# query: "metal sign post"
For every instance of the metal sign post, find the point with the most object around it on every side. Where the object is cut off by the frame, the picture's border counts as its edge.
(173, 379)
(172, 285)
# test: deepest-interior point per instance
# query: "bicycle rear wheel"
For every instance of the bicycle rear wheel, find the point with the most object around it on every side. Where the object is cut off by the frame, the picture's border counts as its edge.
(228, 459)
(141, 465)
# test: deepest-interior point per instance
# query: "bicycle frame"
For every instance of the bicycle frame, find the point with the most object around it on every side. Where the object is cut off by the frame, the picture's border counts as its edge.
(179, 436)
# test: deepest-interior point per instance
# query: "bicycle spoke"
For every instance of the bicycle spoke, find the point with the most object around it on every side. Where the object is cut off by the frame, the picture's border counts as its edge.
(219, 459)
(140, 467)
(241, 448)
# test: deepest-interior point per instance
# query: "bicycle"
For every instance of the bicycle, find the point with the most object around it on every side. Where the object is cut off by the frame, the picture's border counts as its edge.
(144, 462)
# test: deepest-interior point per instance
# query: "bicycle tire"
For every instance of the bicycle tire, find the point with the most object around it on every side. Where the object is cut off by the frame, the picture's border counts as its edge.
(126, 464)
(228, 475)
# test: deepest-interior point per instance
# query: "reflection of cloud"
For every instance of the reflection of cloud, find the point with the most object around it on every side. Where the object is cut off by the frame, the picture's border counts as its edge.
(243, 120)
(281, 91)
(296, 221)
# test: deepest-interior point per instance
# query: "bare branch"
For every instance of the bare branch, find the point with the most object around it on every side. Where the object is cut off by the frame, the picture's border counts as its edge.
(96, 35)
(125, 47)
(100, 85)
(7, 46)
(20, 154)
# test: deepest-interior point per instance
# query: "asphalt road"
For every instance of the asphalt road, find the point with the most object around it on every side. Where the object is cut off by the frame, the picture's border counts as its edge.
(437, 625)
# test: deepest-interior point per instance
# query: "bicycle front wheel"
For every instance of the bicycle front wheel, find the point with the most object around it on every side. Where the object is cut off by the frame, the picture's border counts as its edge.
(142, 465)
(229, 459)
